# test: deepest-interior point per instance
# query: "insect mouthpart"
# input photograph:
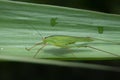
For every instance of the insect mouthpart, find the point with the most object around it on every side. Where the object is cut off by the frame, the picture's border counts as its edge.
(45, 37)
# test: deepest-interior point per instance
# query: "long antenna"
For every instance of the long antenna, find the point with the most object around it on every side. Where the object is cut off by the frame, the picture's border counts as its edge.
(37, 31)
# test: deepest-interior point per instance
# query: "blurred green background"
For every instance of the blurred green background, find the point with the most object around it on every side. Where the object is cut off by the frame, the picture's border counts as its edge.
(107, 6)
(27, 71)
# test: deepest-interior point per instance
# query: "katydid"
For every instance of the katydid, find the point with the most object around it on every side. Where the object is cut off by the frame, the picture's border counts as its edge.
(65, 41)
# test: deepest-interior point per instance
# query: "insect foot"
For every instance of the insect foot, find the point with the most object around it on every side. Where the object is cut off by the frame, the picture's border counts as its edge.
(28, 49)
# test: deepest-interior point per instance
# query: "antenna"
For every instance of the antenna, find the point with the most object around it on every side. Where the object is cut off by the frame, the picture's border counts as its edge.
(37, 31)
(52, 23)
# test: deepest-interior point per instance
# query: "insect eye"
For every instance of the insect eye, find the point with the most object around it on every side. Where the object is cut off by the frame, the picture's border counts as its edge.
(45, 37)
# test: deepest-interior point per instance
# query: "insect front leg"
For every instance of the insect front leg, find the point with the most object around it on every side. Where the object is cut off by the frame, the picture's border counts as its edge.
(28, 49)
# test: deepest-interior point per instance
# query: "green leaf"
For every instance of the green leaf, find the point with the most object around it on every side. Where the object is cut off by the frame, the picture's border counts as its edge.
(53, 22)
(21, 25)
(100, 30)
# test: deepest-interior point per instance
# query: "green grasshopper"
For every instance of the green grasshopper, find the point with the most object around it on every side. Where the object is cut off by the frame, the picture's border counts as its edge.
(64, 41)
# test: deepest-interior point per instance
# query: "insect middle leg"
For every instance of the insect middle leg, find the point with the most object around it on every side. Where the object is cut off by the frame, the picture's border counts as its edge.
(28, 49)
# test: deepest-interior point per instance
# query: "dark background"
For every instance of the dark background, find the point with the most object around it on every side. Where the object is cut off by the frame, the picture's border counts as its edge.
(107, 6)
(29, 71)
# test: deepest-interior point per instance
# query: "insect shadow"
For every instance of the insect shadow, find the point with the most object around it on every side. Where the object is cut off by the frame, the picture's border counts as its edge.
(64, 51)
